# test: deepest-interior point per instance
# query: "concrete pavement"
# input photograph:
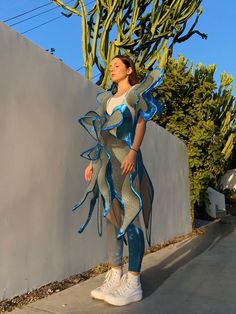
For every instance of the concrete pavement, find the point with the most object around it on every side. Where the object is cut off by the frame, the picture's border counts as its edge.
(195, 276)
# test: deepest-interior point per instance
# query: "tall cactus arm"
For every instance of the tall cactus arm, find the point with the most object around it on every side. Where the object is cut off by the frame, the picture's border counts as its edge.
(228, 148)
(178, 8)
(155, 9)
(95, 36)
(134, 19)
(226, 123)
(85, 40)
(121, 20)
(99, 65)
(199, 12)
(104, 40)
(85, 31)
(188, 11)
(157, 55)
(190, 34)
(68, 8)
(145, 28)
(104, 4)
(111, 52)
(126, 33)
(164, 17)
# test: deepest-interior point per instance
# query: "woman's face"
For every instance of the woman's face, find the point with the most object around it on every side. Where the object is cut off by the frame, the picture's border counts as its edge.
(118, 70)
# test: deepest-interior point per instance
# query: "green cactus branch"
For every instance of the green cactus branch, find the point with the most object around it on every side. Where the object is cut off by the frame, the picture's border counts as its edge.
(143, 29)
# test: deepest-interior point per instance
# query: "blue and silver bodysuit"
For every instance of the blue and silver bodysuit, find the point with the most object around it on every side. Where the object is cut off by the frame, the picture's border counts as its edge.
(114, 134)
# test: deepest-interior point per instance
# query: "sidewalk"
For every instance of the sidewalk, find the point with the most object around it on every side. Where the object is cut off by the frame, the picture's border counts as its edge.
(197, 275)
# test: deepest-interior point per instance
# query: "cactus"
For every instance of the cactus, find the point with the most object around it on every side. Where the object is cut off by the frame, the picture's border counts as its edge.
(145, 30)
(227, 114)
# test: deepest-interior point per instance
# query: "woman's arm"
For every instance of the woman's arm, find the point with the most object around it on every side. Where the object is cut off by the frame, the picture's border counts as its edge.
(139, 133)
(129, 161)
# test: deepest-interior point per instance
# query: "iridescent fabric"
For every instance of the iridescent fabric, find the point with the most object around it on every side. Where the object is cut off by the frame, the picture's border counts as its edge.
(128, 194)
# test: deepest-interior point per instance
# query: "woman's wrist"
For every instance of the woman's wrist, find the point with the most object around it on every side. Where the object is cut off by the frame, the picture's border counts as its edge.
(135, 150)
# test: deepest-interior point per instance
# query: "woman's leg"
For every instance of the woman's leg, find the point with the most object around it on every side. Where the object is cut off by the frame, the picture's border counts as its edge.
(136, 246)
(115, 257)
(130, 289)
(114, 246)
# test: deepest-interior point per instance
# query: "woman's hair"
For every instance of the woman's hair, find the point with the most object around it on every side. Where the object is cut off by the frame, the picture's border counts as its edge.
(129, 63)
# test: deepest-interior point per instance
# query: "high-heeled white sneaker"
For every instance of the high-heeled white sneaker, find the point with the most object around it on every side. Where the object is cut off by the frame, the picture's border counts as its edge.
(112, 281)
(129, 291)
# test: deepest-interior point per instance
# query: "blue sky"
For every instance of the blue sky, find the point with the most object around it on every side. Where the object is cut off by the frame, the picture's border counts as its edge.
(64, 34)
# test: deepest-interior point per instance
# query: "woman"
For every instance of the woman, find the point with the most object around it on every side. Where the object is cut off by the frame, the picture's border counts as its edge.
(116, 173)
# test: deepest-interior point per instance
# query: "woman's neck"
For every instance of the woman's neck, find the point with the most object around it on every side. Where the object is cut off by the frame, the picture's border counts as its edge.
(123, 86)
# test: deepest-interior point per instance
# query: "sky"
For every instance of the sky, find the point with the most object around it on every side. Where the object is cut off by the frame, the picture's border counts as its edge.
(64, 34)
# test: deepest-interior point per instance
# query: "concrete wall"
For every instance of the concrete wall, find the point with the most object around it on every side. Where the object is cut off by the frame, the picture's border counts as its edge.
(217, 202)
(42, 171)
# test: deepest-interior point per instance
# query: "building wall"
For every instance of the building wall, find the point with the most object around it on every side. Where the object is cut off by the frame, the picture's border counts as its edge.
(42, 173)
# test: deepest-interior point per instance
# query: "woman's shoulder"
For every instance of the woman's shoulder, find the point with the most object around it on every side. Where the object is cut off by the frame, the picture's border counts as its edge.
(150, 81)
(102, 97)
(140, 96)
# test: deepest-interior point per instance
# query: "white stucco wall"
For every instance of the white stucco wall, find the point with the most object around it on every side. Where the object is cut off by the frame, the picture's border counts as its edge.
(42, 171)
(217, 202)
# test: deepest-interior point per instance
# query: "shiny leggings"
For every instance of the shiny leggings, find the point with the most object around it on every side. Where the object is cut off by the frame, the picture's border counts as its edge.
(136, 246)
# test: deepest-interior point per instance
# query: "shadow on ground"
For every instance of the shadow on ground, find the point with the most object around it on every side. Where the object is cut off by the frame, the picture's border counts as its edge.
(154, 277)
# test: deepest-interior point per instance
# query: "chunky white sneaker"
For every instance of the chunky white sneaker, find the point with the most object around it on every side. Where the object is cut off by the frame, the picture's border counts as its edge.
(112, 281)
(129, 291)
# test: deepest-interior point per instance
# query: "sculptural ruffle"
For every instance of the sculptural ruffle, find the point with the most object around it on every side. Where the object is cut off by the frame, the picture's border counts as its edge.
(114, 135)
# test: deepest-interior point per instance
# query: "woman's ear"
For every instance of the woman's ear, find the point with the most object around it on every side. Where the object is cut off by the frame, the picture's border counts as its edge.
(129, 70)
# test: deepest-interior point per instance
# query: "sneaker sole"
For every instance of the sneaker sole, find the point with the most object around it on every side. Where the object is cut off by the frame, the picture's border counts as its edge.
(97, 297)
(120, 302)
(100, 296)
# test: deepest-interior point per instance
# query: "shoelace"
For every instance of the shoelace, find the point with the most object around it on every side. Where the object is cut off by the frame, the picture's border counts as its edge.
(125, 285)
(108, 281)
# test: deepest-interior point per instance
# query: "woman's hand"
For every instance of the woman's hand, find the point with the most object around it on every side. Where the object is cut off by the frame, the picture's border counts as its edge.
(88, 172)
(128, 163)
